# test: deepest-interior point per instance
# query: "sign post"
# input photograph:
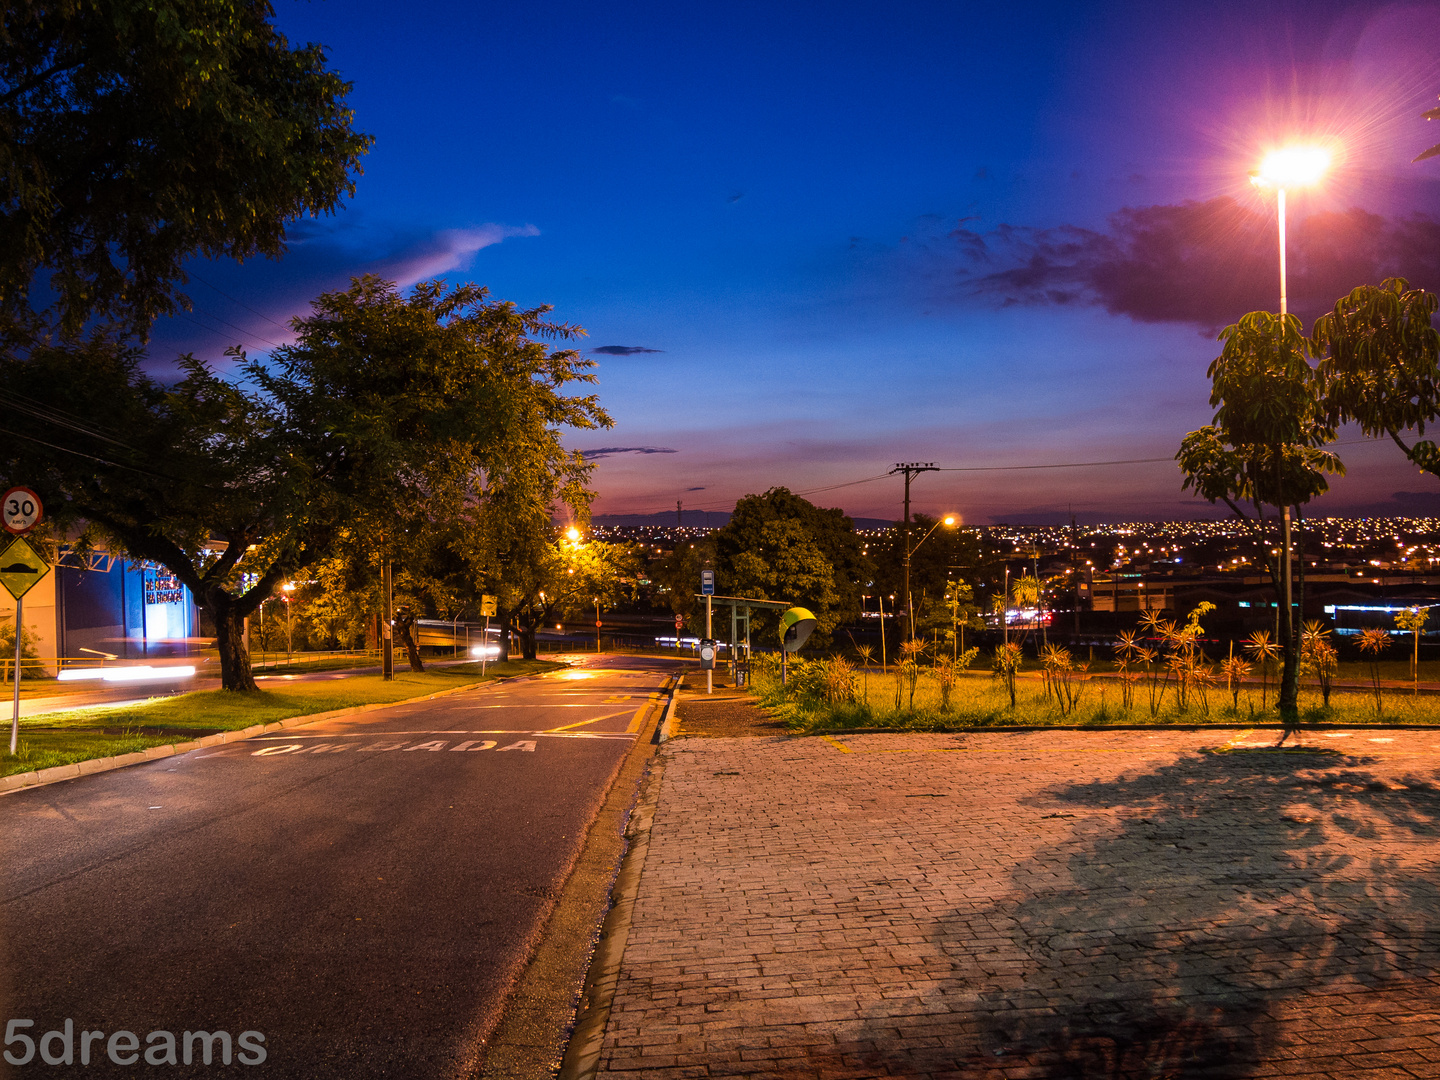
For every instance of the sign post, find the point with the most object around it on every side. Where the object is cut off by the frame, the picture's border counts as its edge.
(487, 608)
(679, 625)
(20, 567)
(707, 589)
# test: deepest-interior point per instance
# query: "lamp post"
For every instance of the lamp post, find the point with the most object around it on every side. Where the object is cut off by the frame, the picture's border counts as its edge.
(1292, 166)
(947, 521)
(288, 588)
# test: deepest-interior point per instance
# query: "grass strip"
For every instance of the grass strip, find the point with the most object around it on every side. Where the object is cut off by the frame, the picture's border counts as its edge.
(83, 734)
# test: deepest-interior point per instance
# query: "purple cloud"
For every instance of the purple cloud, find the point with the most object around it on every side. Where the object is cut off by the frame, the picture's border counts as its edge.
(1204, 263)
(624, 350)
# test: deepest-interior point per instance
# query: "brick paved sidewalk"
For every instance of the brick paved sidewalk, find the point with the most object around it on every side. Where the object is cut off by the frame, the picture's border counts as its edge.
(1061, 904)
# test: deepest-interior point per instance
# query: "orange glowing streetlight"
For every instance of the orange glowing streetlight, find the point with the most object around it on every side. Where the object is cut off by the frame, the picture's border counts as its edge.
(949, 521)
(1289, 167)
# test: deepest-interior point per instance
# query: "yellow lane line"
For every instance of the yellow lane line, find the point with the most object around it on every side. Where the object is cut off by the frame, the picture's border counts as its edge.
(837, 744)
(582, 723)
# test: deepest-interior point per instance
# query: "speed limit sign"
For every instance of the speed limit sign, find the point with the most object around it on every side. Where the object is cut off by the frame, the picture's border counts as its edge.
(21, 510)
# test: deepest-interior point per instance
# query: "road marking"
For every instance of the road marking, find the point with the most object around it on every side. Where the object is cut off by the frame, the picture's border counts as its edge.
(837, 744)
(436, 745)
(592, 720)
(638, 720)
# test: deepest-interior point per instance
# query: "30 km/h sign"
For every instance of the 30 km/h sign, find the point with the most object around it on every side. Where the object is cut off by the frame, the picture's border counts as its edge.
(20, 510)
(21, 567)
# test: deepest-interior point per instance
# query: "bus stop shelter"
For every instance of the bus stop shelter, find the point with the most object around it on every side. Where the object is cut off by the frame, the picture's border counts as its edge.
(740, 608)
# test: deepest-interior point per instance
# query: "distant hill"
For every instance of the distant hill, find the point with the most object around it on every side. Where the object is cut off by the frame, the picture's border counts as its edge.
(699, 519)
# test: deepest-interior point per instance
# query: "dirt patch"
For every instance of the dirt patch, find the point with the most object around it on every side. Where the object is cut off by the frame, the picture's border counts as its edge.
(725, 716)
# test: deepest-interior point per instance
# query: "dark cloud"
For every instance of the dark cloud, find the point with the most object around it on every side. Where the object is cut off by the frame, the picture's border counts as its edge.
(1204, 263)
(695, 489)
(624, 350)
(606, 451)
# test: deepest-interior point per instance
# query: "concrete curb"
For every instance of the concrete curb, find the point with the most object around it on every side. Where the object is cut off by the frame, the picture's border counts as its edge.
(531, 1038)
(582, 1057)
(57, 773)
(666, 731)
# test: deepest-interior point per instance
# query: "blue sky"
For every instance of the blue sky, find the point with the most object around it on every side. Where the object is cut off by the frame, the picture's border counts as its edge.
(983, 235)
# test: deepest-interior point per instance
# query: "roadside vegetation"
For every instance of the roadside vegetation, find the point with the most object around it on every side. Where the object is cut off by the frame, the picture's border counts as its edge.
(1143, 685)
(83, 734)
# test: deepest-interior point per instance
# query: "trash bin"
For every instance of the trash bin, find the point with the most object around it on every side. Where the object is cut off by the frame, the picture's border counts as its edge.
(742, 672)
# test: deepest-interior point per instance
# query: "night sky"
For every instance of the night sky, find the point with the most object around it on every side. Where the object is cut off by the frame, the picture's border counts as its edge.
(809, 240)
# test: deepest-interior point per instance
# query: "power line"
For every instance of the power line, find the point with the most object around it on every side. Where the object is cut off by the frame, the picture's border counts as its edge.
(232, 299)
(1056, 465)
(227, 322)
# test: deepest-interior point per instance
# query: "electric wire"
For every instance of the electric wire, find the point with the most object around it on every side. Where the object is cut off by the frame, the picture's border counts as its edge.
(232, 299)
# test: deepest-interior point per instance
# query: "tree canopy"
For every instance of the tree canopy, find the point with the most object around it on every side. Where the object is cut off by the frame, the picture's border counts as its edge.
(1265, 446)
(1380, 366)
(779, 546)
(390, 415)
(136, 134)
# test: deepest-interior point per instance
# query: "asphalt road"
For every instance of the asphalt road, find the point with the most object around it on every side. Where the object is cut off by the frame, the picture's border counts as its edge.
(363, 892)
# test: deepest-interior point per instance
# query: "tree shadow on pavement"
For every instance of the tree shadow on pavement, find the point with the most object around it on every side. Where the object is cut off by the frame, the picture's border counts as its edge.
(1200, 919)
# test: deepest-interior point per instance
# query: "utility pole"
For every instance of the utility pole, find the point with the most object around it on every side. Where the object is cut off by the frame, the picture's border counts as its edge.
(911, 469)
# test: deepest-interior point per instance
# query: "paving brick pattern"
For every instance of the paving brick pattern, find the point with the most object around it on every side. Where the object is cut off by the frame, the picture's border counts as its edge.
(1106, 904)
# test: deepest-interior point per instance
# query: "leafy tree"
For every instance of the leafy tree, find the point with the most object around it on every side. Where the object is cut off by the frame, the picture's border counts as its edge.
(1380, 365)
(388, 411)
(1264, 448)
(779, 546)
(567, 580)
(784, 563)
(135, 134)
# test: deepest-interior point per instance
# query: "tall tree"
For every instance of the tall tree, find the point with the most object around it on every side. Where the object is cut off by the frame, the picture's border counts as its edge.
(1264, 448)
(388, 412)
(1380, 366)
(136, 134)
(816, 559)
(568, 579)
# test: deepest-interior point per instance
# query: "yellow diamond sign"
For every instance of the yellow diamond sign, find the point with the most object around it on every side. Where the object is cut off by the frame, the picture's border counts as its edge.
(21, 567)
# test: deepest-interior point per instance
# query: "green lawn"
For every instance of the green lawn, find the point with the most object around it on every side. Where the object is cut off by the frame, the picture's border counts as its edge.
(83, 734)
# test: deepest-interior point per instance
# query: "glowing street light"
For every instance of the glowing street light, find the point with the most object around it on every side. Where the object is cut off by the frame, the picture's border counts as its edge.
(1289, 167)
(288, 587)
(948, 521)
(572, 534)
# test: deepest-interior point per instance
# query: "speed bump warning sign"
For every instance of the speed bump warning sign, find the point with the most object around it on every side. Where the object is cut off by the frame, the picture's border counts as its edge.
(21, 567)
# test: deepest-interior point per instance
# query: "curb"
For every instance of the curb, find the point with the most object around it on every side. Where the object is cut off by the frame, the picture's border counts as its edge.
(666, 731)
(980, 729)
(582, 1057)
(531, 1037)
(57, 773)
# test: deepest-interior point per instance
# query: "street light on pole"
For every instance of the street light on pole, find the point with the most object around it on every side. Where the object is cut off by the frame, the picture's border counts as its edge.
(288, 587)
(1289, 167)
(948, 521)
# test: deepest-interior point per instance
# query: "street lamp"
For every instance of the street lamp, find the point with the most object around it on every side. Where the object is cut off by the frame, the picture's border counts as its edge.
(288, 587)
(948, 521)
(1289, 167)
